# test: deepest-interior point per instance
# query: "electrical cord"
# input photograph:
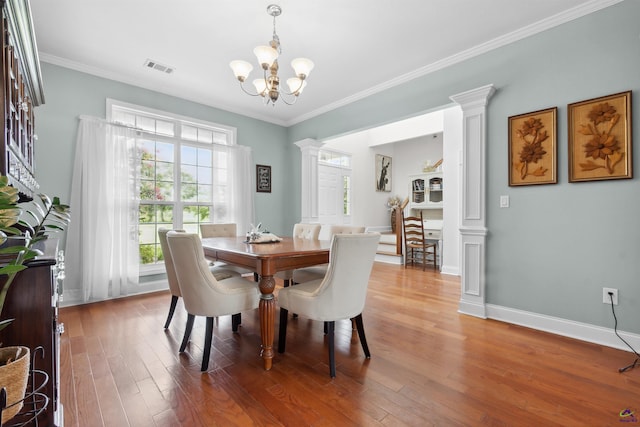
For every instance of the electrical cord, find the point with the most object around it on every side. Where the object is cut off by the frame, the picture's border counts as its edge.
(615, 329)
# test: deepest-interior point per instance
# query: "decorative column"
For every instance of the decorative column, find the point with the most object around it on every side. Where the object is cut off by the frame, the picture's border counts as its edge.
(309, 179)
(473, 229)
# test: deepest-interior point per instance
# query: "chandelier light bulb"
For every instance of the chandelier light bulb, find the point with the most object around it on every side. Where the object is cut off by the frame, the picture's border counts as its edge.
(302, 67)
(266, 55)
(296, 85)
(241, 69)
(261, 86)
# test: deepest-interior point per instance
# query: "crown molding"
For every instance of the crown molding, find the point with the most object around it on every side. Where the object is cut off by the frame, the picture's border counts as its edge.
(532, 29)
(99, 72)
(522, 33)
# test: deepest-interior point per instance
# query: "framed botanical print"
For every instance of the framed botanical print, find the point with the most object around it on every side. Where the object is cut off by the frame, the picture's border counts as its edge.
(533, 148)
(600, 138)
(263, 179)
(383, 173)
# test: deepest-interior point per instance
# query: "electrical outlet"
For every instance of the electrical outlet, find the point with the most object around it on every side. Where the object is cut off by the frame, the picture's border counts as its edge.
(606, 299)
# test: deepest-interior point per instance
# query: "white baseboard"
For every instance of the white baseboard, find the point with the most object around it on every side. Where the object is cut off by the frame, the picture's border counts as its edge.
(568, 328)
(451, 270)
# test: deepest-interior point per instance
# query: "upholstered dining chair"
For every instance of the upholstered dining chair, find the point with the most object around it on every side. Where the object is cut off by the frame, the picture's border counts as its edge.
(300, 231)
(218, 230)
(417, 248)
(307, 274)
(202, 294)
(341, 294)
(223, 230)
(174, 288)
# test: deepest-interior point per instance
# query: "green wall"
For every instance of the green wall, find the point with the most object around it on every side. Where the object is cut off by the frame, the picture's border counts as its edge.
(550, 253)
(557, 246)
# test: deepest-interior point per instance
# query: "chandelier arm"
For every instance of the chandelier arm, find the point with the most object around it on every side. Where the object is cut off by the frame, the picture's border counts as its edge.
(296, 91)
(246, 91)
(282, 97)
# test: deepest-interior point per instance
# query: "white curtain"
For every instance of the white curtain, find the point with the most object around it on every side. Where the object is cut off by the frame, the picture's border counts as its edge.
(233, 197)
(102, 241)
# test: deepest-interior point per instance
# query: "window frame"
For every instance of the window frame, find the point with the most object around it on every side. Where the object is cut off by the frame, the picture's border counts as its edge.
(178, 142)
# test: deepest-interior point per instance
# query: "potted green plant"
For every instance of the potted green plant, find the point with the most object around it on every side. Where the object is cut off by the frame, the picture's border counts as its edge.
(26, 224)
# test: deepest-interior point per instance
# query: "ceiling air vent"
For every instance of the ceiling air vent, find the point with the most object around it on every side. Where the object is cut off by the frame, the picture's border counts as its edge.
(157, 66)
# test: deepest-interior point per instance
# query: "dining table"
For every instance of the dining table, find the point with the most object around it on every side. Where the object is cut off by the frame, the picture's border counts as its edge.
(266, 259)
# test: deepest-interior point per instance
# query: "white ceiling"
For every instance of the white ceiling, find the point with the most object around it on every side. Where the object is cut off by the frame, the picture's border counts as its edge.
(359, 46)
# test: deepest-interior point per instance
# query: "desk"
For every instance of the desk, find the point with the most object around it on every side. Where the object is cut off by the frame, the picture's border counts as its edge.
(267, 259)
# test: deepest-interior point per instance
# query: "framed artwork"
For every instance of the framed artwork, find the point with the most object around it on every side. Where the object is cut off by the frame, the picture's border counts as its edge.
(263, 179)
(533, 149)
(600, 138)
(383, 173)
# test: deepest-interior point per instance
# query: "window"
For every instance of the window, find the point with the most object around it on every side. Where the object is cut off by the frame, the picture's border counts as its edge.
(182, 173)
(335, 173)
(334, 158)
(346, 195)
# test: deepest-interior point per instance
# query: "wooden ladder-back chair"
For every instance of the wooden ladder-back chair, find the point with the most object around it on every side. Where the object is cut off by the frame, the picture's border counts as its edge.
(417, 248)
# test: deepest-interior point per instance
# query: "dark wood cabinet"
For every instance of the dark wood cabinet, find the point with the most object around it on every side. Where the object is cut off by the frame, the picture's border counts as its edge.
(32, 301)
(22, 91)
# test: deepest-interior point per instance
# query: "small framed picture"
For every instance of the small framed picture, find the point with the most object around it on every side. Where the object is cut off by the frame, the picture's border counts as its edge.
(263, 179)
(600, 138)
(383, 173)
(533, 148)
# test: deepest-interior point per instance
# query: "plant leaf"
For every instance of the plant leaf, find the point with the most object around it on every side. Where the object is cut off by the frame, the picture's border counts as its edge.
(4, 323)
(16, 249)
(589, 166)
(539, 171)
(12, 268)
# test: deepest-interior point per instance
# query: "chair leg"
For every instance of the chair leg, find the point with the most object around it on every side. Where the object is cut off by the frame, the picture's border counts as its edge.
(435, 257)
(187, 332)
(208, 335)
(332, 355)
(282, 330)
(236, 319)
(172, 308)
(293, 283)
(363, 338)
(326, 328)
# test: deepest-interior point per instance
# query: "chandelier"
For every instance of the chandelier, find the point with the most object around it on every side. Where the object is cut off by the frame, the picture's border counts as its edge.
(268, 86)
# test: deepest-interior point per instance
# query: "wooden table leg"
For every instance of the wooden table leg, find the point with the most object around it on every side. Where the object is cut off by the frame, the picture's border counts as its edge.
(267, 310)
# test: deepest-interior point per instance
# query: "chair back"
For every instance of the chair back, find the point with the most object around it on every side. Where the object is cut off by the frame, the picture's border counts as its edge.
(343, 291)
(168, 262)
(413, 230)
(201, 292)
(345, 229)
(218, 230)
(306, 231)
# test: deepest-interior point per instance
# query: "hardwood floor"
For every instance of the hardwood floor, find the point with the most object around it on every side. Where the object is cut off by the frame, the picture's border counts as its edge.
(429, 366)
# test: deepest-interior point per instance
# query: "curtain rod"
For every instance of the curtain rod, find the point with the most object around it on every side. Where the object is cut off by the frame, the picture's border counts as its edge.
(85, 117)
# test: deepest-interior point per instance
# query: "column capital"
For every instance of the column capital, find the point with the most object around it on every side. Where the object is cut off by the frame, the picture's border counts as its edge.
(474, 98)
(308, 143)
